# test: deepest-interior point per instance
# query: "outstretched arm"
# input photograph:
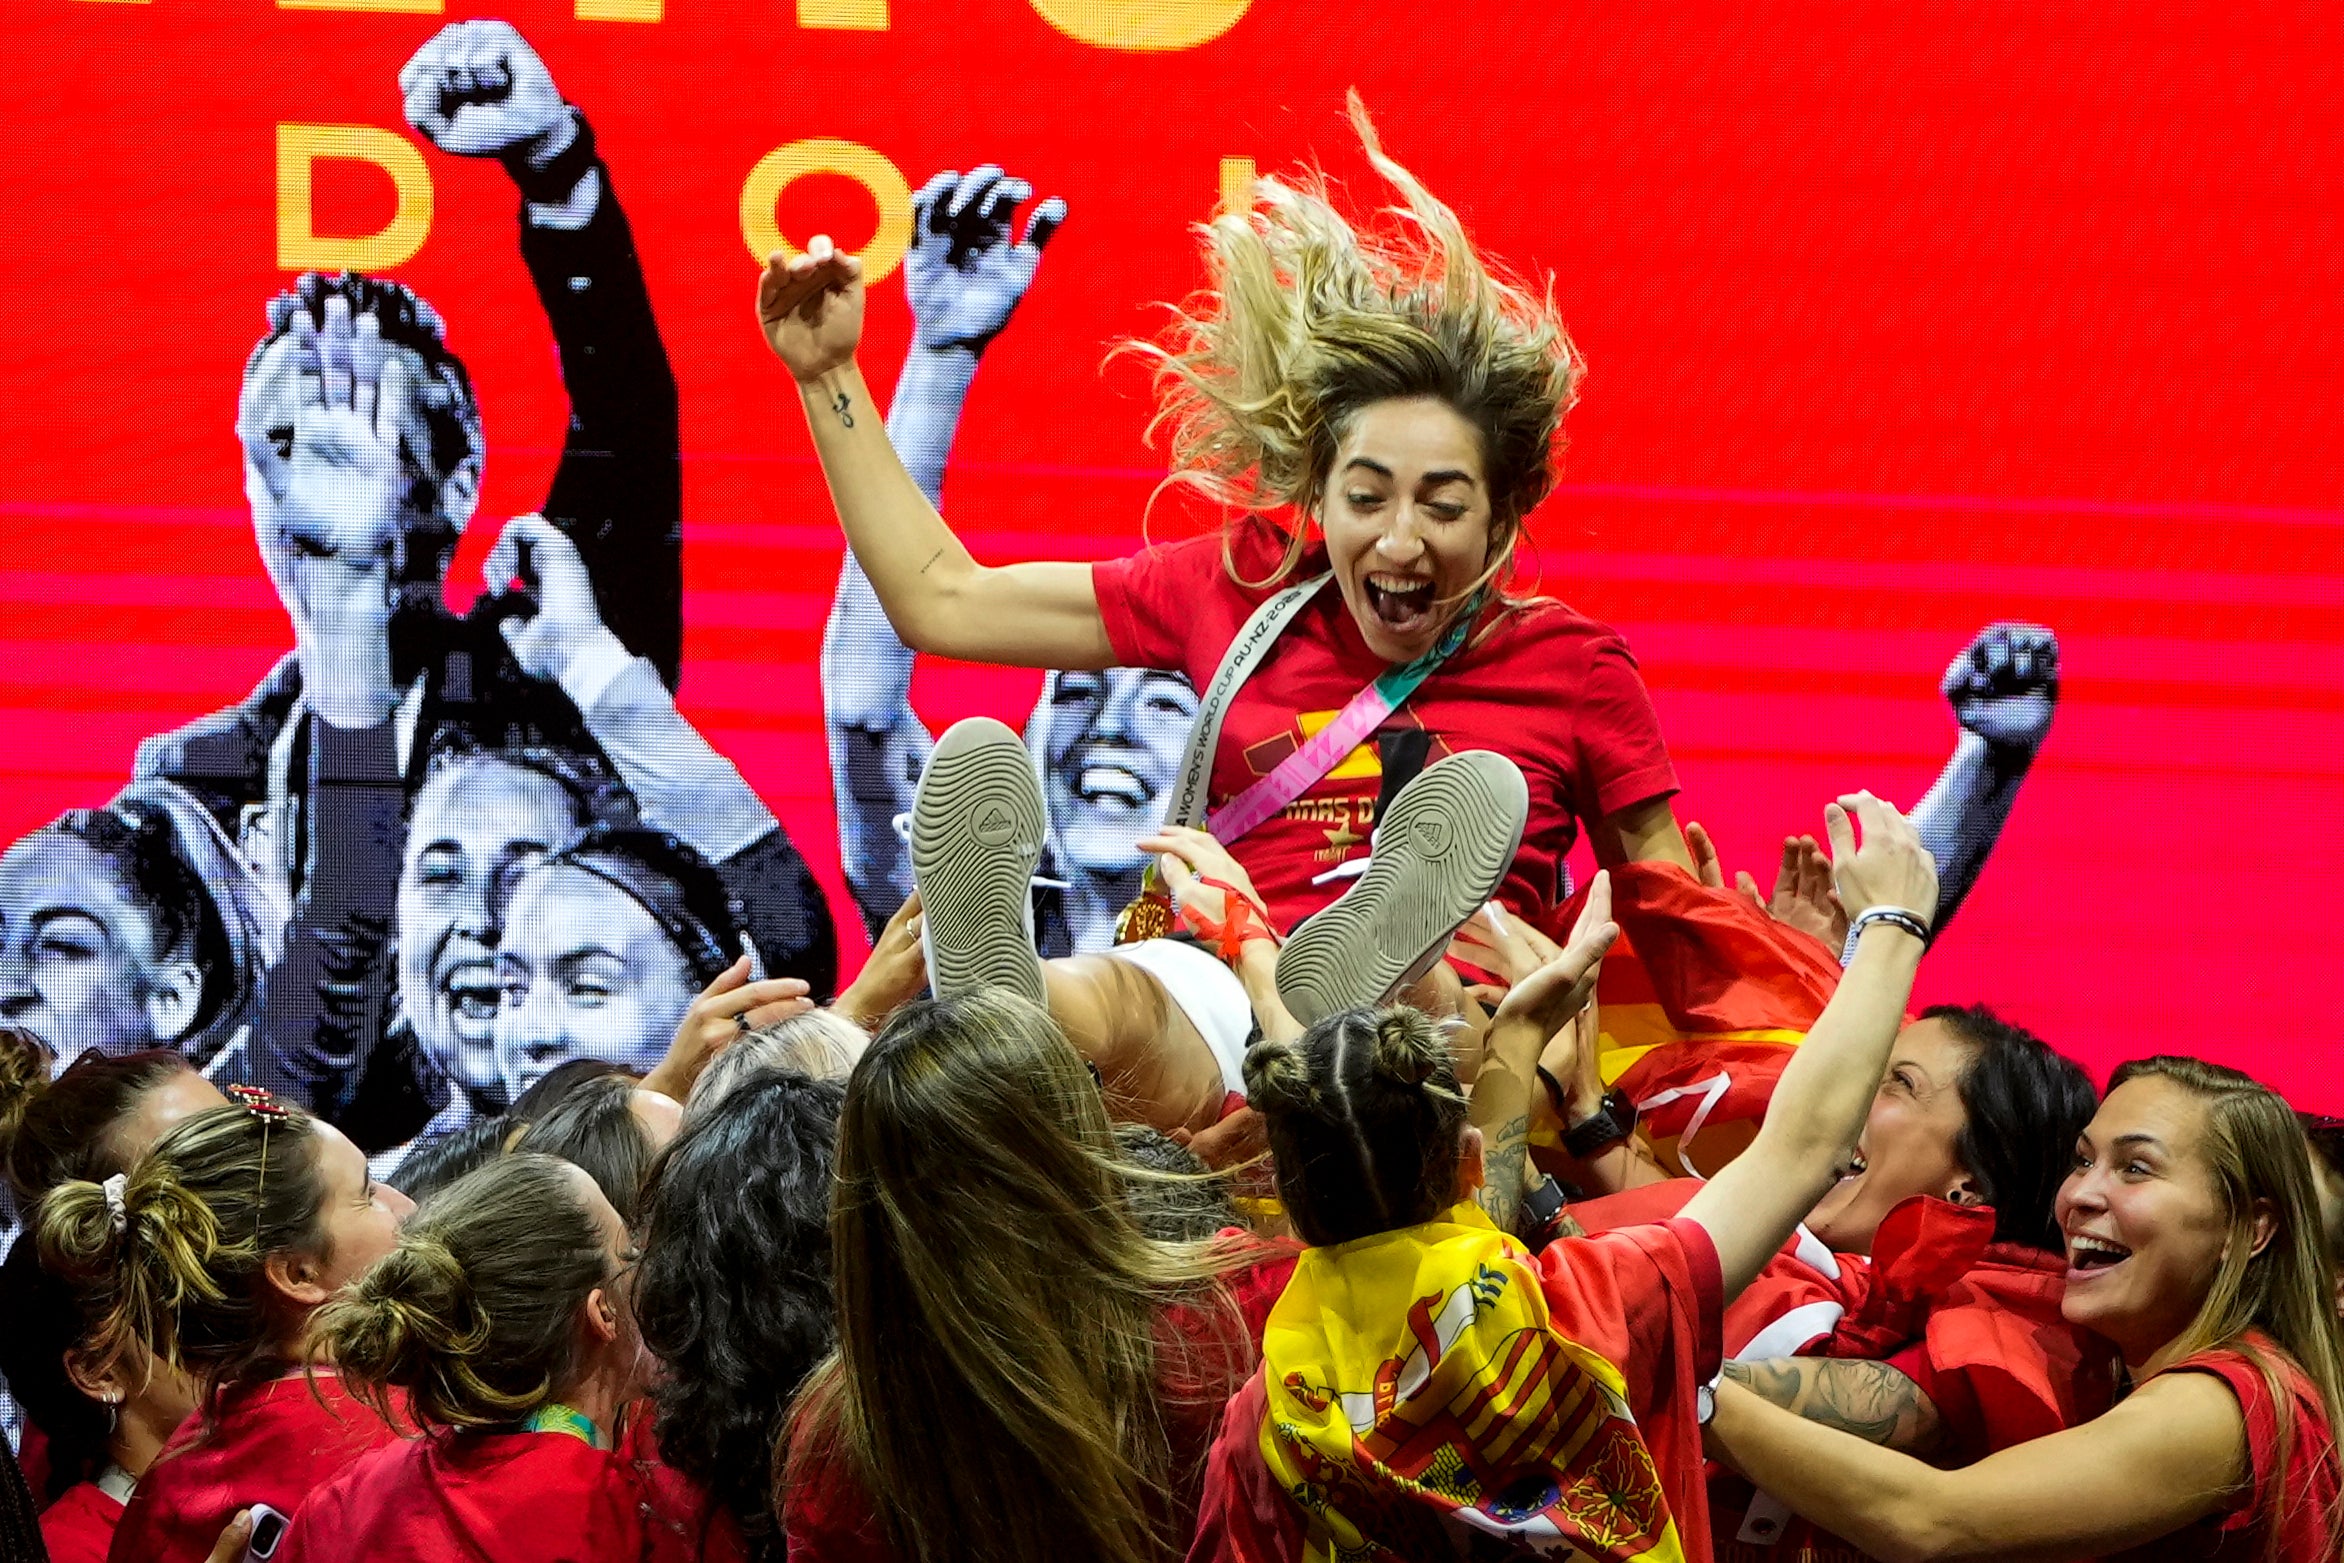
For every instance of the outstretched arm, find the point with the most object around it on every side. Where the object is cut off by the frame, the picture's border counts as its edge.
(2004, 689)
(477, 89)
(2171, 1454)
(961, 296)
(935, 594)
(1819, 1103)
(1872, 1400)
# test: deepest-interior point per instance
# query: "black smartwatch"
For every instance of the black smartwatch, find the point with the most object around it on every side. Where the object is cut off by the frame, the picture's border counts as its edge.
(1614, 1121)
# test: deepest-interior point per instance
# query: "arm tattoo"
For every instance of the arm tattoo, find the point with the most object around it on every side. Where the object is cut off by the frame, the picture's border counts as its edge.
(840, 404)
(1869, 1399)
(1501, 1184)
(932, 558)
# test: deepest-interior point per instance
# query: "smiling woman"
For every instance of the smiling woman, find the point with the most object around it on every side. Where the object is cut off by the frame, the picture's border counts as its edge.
(2194, 1244)
(1382, 409)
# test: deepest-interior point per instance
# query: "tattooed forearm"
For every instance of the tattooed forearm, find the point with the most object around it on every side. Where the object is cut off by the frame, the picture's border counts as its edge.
(1502, 1161)
(843, 405)
(1869, 1399)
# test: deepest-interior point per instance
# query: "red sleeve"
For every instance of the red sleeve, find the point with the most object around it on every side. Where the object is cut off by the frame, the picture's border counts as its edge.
(1956, 1400)
(827, 1519)
(1626, 1294)
(1149, 602)
(1622, 760)
(1245, 1517)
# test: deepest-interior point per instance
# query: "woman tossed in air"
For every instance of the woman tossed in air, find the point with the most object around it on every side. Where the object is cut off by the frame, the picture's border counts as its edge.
(1379, 409)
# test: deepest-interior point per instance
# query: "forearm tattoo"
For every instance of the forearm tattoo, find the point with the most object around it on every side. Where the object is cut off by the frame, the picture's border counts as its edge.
(841, 405)
(1869, 1399)
(1502, 1162)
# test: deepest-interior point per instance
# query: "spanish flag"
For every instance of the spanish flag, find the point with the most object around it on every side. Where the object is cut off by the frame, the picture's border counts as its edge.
(1420, 1401)
(1701, 1001)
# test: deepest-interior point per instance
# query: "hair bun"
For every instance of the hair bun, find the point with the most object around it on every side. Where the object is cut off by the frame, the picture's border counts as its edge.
(411, 1314)
(1408, 1050)
(1277, 1078)
(24, 1075)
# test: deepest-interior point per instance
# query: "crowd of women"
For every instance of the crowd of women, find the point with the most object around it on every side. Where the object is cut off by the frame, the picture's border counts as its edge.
(1303, 1225)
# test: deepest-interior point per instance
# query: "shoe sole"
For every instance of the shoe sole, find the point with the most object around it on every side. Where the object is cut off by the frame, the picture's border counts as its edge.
(976, 838)
(1440, 854)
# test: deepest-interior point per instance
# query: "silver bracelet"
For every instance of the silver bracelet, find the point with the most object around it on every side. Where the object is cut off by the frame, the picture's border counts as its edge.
(1894, 916)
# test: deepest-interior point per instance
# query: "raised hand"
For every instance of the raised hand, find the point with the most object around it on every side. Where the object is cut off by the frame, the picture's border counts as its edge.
(962, 275)
(478, 90)
(1503, 945)
(540, 555)
(2004, 686)
(811, 307)
(895, 973)
(337, 549)
(1891, 868)
(1550, 997)
(1802, 895)
(726, 1010)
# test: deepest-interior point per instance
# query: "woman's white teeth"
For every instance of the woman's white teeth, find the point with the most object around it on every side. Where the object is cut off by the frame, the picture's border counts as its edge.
(1399, 597)
(1856, 1164)
(2091, 1253)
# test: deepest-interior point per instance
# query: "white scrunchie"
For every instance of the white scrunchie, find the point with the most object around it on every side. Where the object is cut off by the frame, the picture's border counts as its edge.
(117, 1214)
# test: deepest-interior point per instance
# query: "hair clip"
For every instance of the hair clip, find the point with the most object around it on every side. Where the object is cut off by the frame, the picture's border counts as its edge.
(259, 1101)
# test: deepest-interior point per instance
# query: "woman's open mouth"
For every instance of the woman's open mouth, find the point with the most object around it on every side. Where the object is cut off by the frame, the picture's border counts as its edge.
(2089, 1256)
(1401, 603)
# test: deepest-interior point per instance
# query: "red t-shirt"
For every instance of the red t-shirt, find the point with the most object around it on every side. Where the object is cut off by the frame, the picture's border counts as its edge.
(2299, 1500)
(502, 1498)
(1649, 1299)
(1551, 689)
(270, 1443)
(79, 1526)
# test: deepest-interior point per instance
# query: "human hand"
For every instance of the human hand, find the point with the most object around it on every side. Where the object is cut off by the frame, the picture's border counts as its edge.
(1890, 868)
(1188, 859)
(541, 556)
(338, 548)
(1550, 996)
(726, 1010)
(1236, 1139)
(1505, 946)
(477, 89)
(1573, 1060)
(811, 307)
(2004, 686)
(895, 973)
(1802, 895)
(233, 1540)
(962, 275)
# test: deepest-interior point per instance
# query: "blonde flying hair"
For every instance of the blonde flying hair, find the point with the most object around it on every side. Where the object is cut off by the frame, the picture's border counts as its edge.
(473, 1315)
(1309, 318)
(2260, 1160)
(1004, 1371)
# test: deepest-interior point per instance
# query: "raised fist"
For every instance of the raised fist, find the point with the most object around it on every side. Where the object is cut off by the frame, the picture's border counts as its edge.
(2004, 685)
(478, 90)
(540, 555)
(962, 275)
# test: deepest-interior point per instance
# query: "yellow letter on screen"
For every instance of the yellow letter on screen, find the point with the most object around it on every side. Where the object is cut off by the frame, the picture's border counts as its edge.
(778, 169)
(412, 7)
(1149, 26)
(621, 10)
(300, 247)
(867, 16)
(1237, 176)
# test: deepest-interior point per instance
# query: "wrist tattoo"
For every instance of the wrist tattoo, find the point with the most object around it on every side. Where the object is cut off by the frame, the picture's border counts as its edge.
(841, 405)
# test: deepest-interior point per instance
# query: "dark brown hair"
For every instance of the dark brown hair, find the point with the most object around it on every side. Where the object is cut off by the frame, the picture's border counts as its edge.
(52, 1130)
(1364, 1115)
